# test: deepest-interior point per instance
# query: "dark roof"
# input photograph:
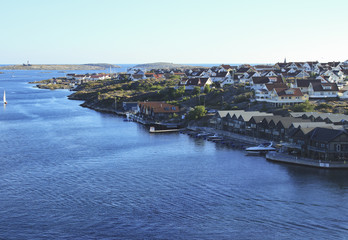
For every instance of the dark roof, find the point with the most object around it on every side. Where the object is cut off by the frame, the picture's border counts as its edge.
(305, 83)
(270, 86)
(221, 74)
(242, 70)
(260, 80)
(197, 81)
(321, 87)
(324, 134)
(227, 66)
(287, 121)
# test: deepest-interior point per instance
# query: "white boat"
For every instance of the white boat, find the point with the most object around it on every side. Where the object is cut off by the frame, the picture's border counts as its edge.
(261, 149)
(4, 98)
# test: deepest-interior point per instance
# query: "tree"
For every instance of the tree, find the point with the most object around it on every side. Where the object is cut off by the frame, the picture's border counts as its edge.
(180, 91)
(196, 90)
(197, 112)
(207, 89)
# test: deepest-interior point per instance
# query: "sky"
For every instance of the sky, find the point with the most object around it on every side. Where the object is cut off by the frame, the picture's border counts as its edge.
(177, 31)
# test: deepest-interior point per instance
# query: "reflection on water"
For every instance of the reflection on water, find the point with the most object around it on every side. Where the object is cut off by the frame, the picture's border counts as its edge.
(68, 172)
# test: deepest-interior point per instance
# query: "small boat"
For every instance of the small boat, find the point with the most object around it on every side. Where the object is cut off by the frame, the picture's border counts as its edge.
(261, 149)
(4, 98)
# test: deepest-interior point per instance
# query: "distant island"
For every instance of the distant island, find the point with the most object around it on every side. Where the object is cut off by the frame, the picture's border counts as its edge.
(89, 66)
(163, 65)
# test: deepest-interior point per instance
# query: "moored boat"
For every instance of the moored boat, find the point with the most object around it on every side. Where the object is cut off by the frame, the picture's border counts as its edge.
(260, 149)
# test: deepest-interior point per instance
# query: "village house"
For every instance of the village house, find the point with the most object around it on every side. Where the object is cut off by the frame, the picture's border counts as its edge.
(317, 140)
(124, 77)
(230, 80)
(221, 76)
(130, 107)
(320, 90)
(264, 94)
(328, 145)
(197, 82)
(157, 110)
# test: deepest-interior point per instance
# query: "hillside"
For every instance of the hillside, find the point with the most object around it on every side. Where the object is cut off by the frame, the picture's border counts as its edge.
(89, 66)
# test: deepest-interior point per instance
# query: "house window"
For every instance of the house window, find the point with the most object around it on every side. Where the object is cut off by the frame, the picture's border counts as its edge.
(338, 147)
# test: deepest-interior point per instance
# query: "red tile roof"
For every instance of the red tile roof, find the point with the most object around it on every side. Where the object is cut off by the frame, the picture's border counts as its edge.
(291, 92)
(159, 107)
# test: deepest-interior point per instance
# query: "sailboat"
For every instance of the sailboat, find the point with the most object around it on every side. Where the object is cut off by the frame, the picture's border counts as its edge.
(5, 102)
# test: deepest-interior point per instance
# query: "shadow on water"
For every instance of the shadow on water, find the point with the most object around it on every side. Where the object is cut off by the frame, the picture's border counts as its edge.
(338, 177)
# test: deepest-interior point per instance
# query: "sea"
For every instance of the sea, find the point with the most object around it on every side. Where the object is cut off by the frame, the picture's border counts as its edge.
(68, 172)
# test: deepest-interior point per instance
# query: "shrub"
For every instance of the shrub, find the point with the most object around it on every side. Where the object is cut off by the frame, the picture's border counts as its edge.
(196, 90)
(207, 89)
(196, 113)
(303, 107)
(241, 98)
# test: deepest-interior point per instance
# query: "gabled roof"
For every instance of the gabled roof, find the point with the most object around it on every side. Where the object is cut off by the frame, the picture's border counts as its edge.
(270, 86)
(324, 134)
(260, 80)
(159, 107)
(305, 83)
(266, 120)
(243, 70)
(308, 124)
(221, 74)
(324, 87)
(336, 118)
(223, 113)
(200, 82)
(333, 64)
(297, 114)
(296, 92)
(225, 66)
(287, 121)
(248, 115)
(281, 65)
(301, 131)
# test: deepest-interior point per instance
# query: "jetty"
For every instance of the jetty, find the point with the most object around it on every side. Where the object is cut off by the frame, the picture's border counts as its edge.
(153, 130)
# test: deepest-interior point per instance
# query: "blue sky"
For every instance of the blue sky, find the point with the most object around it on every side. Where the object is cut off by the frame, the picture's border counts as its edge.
(180, 31)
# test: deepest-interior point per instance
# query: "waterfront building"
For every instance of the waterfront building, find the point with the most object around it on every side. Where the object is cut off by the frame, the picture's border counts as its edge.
(157, 110)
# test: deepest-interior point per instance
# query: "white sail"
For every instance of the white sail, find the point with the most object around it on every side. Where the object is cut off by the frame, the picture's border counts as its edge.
(5, 98)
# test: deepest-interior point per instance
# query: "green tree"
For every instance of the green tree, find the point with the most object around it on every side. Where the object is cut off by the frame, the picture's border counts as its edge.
(207, 89)
(196, 90)
(197, 112)
(180, 91)
(303, 107)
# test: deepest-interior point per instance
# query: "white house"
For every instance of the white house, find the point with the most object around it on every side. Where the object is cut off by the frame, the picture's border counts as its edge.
(221, 76)
(290, 96)
(319, 90)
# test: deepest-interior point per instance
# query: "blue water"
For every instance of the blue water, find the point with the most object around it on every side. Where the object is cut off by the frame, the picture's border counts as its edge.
(68, 172)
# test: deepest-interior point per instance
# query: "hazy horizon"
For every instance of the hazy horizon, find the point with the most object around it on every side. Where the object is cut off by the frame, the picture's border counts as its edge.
(187, 31)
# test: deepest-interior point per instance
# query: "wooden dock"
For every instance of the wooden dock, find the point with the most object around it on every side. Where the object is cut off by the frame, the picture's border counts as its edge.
(153, 130)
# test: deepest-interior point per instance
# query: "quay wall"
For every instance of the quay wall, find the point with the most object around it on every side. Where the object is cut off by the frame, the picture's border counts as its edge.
(285, 158)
